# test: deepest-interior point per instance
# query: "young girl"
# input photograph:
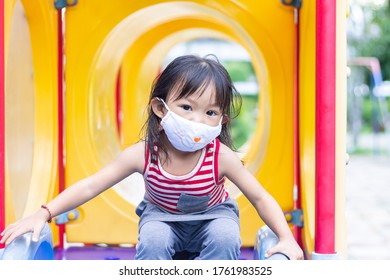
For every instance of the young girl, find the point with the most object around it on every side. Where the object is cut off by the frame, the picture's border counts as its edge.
(185, 159)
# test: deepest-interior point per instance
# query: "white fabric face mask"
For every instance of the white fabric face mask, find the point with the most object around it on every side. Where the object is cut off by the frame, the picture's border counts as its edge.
(186, 135)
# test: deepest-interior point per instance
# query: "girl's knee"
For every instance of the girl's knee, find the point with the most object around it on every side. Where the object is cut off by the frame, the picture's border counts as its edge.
(154, 242)
(225, 240)
(225, 234)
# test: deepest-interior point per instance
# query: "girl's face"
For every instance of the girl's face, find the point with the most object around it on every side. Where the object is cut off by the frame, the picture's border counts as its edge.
(198, 107)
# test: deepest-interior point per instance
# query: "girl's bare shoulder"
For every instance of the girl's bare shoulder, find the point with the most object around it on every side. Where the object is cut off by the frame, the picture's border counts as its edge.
(228, 159)
(138, 147)
(133, 156)
(225, 151)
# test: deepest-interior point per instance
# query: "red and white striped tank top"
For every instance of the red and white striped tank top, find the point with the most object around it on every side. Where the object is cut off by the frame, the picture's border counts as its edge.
(164, 189)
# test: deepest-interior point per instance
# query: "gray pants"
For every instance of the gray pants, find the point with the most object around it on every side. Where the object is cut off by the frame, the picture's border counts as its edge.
(216, 239)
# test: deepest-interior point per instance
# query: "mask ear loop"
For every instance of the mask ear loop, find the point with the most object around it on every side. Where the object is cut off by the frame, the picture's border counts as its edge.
(163, 102)
(220, 120)
(160, 128)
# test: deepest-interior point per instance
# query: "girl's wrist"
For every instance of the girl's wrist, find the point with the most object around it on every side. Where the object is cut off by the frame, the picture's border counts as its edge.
(286, 236)
(46, 213)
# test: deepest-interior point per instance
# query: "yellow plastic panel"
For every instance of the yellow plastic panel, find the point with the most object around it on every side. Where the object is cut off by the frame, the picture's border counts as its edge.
(135, 36)
(307, 120)
(31, 106)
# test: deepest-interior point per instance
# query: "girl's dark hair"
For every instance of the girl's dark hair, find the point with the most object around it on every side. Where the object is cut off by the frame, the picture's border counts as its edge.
(186, 75)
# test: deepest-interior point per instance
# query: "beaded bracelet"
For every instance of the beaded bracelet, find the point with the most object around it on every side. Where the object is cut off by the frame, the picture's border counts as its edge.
(48, 211)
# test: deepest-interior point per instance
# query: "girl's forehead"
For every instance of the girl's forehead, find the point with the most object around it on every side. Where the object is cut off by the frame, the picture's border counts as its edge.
(206, 89)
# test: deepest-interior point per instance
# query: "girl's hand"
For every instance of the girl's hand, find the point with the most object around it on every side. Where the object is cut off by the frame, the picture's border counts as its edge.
(33, 223)
(288, 247)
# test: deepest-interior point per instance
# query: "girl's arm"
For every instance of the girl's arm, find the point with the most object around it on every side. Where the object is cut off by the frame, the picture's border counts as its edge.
(266, 206)
(129, 161)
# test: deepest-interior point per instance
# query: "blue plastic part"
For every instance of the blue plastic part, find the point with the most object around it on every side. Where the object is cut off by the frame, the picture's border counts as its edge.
(64, 217)
(59, 4)
(45, 252)
(23, 248)
(266, 239)
(296, 217)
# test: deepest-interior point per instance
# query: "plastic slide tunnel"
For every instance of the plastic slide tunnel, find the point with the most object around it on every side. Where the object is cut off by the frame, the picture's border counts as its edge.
(133, 38)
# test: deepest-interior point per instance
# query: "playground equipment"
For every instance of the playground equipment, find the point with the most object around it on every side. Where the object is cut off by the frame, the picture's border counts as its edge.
(378, 92)
(297, 150)
(266, 239)
(22, 248)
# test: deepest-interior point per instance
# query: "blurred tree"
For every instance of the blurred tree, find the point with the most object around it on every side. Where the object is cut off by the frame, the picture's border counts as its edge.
(368, 31)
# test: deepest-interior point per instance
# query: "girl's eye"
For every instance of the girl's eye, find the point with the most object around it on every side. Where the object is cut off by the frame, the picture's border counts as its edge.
(211, 113)
(186, 107)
